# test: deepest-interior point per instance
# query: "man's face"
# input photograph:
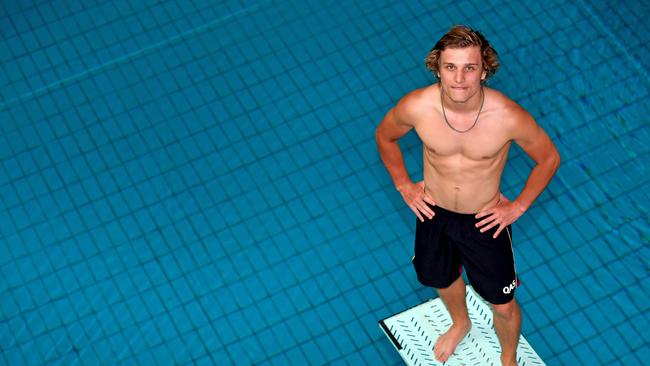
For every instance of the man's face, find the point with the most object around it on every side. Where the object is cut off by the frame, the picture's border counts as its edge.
(461, 73)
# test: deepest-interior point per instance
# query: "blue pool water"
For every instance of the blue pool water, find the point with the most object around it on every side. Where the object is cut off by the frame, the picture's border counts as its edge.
(198, 183)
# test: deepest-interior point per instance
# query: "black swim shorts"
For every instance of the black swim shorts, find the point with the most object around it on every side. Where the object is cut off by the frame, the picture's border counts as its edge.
(451, 241)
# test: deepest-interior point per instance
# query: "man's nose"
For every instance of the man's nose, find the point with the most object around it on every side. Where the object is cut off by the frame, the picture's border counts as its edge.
(458, 76)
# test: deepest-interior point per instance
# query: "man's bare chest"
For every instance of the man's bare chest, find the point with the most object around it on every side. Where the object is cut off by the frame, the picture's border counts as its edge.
(480, 143)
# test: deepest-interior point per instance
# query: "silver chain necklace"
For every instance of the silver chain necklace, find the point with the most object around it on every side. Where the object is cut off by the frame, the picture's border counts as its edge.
(445, 114)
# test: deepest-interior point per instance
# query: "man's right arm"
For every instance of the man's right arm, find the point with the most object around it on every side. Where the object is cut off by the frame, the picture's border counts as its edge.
(395, 125)
(389, 131)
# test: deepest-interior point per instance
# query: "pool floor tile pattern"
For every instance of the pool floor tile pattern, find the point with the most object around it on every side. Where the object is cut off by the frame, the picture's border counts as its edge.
(197, 182)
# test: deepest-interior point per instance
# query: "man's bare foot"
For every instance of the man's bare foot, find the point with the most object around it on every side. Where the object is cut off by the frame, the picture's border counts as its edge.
(446, 343)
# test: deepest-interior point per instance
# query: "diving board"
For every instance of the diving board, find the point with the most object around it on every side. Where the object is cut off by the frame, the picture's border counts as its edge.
(415, 331)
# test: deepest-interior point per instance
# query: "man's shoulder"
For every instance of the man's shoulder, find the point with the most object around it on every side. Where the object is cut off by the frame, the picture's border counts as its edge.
(415, 102)
(417, 96)
(507, 108)
(498, 98)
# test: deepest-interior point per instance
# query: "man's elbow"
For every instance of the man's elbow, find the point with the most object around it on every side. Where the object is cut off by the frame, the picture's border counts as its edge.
(381, 136)
(378, 135)
(555, 160)
(550, 161)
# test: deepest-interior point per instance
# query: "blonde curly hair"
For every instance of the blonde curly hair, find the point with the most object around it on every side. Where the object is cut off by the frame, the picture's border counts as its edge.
(460, 36)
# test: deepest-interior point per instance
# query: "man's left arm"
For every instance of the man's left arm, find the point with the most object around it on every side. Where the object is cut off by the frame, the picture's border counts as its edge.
(536, 143)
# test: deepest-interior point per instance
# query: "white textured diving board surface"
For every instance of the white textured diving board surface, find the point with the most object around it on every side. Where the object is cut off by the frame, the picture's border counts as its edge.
(415, 331)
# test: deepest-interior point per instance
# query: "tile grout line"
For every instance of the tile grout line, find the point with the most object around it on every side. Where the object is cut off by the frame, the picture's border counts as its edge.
(134, 54)
(608, 34)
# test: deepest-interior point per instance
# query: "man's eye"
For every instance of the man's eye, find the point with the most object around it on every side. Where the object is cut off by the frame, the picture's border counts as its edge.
(470, 68)
(450, 67)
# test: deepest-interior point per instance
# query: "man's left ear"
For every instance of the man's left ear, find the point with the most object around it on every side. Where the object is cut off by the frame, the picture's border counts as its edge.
(484, 75)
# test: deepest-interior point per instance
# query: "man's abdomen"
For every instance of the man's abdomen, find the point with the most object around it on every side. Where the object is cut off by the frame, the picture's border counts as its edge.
(463, 193)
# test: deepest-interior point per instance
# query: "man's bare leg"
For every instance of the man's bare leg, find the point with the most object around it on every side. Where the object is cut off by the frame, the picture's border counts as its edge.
(507, 323)
(454, 299)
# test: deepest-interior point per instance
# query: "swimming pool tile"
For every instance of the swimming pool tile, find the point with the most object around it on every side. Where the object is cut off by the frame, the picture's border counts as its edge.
(161, 354)
(631, 359)
(607, 280)
(580, 293)
(138, 311)
(594, 287)
(599, 317)
(370, 266)
(629, 337)
(561, 270)
(300, 330)
(547, 278)
(18, 329)
(590, 257)
(179, 351)
(125, 343)
(289, 301)
(313, 294)
(34, 325)
(583, 324)
(570, 332)
(628, 271)
(358, 275)
(267, 343)
(553, 310)
(328, 287)
(341, 343)
(586, 355)
(328, 347)
(643, 296)
(536, 314)
(43, 345)
(640, 323)
(403, 282)
(388, 293)
(569, 358)
(557, 342)
(385, 261)
(357, 334)
(601, 349)
(297, 357)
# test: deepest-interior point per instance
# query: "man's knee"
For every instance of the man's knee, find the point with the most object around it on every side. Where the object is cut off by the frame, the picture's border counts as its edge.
(505, 311)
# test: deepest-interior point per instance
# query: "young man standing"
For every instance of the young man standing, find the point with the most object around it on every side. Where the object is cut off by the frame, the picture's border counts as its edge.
(466, 130)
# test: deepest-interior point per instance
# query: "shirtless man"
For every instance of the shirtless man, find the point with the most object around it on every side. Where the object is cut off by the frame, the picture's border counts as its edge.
(466, 130)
